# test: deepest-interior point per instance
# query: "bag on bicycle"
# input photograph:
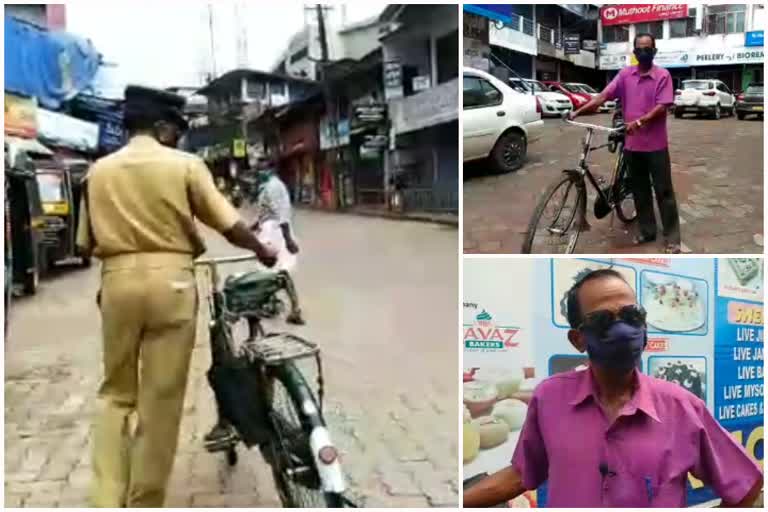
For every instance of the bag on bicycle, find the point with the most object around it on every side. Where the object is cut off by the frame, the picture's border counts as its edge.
(236, 387)
(250, 291)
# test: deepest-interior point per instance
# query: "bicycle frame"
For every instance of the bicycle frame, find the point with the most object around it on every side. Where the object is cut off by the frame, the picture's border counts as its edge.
(587, 148)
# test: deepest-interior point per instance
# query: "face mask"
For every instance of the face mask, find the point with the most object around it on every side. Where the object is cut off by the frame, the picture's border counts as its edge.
(619, 348)
(645, 55)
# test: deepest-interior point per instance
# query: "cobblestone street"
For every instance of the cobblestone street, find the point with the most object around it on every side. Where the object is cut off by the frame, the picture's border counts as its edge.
(717, 170)
(379, 297)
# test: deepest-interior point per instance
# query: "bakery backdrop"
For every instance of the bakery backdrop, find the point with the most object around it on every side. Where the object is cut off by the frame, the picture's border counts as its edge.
(705, 324)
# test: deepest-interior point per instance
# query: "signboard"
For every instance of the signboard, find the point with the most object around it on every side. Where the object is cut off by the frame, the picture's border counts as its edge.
(393, 79)
(572, 44)
(369, 113)
(638, 13)
(378, 142)
(515, 335)
(717, 57)
(754, 38)
(589, 45)
(421, 83)
(613, 61)
(62, 130)
(238, 148)
(20, 116)
(327, 138)
(501, 13)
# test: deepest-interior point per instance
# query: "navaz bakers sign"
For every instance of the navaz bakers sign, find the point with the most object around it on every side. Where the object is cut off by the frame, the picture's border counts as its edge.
(638, 13)
(485, 336)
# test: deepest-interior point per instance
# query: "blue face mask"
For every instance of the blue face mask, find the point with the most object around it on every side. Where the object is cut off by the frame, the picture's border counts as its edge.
(619, 348)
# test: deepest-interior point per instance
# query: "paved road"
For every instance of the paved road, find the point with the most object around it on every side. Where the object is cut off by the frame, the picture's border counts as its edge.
(717, 170)
(379, 296)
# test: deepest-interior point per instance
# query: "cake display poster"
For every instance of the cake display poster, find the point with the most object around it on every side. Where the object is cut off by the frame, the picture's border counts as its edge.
(705, 322)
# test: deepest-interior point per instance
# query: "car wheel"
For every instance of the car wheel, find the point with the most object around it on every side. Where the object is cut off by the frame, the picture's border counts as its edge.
(716, 114)
(741, 116)
(509, 152)
(678, 114)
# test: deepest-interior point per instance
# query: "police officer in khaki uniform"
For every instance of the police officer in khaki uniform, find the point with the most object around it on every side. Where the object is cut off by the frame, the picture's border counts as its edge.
(139, 213)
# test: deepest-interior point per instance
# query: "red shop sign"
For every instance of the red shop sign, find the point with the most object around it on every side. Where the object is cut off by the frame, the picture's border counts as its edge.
(638, 13)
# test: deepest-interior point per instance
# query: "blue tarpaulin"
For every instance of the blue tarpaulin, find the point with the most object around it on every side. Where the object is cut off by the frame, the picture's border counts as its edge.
(52, 66)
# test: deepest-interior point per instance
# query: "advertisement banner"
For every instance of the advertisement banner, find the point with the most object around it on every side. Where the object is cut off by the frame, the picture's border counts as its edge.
(705, 333)
(638, 13)
(20, 116)
(728, 56)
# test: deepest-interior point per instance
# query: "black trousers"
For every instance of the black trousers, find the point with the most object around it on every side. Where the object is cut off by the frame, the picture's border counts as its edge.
(651, 172)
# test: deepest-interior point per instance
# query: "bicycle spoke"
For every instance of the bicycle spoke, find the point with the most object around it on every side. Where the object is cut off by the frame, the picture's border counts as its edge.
(556, 230)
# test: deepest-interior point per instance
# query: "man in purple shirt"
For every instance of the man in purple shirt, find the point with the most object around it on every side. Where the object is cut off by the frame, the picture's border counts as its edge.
(645, 92)
(610, 436)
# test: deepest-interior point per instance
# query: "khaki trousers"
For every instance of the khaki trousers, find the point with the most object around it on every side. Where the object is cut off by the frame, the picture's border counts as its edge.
(149, 307)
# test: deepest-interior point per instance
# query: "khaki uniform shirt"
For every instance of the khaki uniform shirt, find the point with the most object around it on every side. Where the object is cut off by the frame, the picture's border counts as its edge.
(145, 198)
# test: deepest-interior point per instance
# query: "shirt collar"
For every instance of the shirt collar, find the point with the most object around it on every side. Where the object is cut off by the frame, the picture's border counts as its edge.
(143, 140)
(652, 73)
(642, 399)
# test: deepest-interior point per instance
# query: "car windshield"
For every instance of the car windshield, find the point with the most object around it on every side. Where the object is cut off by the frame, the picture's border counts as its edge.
(518, 86)
(537, 86)
(51, 187)
(699, 85)
(755, 89)
(571, 88)
(586, 88)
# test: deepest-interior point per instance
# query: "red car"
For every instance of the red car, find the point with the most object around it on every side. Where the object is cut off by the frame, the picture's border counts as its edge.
(578, 98)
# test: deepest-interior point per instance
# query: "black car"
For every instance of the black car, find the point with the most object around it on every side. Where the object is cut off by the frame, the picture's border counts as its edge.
(751, 101)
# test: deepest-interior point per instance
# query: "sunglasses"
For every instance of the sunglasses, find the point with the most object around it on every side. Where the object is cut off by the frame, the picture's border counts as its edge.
(601, 320)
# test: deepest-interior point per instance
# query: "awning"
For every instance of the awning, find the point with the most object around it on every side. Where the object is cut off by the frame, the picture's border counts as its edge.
(18, 146)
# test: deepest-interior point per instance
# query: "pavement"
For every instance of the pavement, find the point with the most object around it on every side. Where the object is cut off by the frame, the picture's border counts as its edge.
(378, 296)
(717, 171)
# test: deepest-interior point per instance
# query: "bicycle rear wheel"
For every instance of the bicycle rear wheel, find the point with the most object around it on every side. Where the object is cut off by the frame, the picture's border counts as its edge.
(624, 201)
(294, 416)
(558, 218)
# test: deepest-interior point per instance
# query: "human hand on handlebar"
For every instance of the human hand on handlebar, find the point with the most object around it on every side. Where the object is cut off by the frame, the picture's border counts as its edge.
(632, 127)
(267, 256)
(573, 114)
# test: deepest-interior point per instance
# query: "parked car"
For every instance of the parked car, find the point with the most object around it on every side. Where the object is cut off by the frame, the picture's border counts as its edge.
(498, 122)
(711, 97)
(578, 98)
(751, 101)
(608, 106)
(552, 103)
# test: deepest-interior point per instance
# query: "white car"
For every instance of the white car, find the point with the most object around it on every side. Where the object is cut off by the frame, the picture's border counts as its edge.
(710, 97)
(498, 122)
(608, 106)
(552, 103)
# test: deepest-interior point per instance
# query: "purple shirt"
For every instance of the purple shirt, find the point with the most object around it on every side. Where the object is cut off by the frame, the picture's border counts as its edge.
(642, 460)
(639, 94)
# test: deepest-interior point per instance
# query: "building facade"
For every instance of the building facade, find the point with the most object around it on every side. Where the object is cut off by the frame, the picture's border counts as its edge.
(420, 66)
(555, 42)
(718, 41)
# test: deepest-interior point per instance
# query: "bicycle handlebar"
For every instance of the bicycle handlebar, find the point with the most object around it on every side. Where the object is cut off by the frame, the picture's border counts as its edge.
(226, 259)
(595, 127)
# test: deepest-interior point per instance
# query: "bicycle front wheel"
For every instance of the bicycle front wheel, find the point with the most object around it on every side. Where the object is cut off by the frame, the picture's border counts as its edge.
(558, 218)
(293, 453)
(624, 201)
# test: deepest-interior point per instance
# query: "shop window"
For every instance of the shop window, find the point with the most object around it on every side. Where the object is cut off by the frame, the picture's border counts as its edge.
(655, 28)
(725, 19)
(616, 34)
(448, 57)
(684, 27)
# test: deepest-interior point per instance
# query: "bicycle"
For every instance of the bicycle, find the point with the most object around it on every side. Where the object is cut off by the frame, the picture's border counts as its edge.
(568, 220)
(262, 393)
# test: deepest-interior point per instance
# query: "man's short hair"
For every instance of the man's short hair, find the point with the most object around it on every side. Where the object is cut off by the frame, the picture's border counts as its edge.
(574, 314)
(645, 34)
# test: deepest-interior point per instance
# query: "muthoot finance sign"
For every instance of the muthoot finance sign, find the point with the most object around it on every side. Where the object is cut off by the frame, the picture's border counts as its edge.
(638, 13)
